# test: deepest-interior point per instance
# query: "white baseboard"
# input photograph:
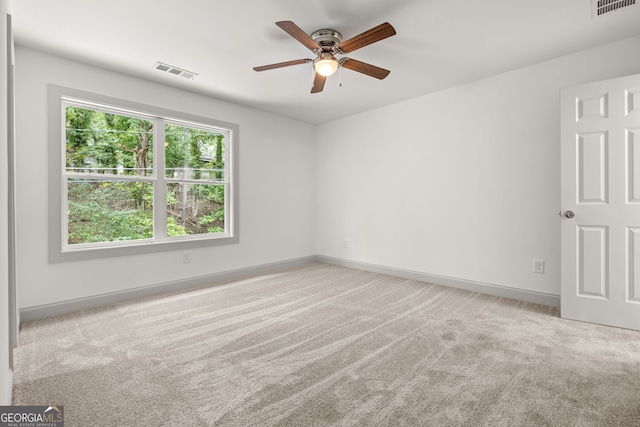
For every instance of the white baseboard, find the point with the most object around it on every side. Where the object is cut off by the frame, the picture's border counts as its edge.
(469, 285)
(64, 307)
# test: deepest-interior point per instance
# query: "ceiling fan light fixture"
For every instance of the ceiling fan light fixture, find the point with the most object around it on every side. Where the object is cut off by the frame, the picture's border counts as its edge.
(325, 65)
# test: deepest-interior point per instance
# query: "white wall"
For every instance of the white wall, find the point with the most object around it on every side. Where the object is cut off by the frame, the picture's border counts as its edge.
(5, 372)
(464, 183)
(276, 187)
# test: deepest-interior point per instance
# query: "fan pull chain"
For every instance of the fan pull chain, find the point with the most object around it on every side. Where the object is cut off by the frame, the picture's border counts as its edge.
(340, 71)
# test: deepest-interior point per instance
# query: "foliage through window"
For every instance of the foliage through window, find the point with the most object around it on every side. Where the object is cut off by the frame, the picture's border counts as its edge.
(133, 176)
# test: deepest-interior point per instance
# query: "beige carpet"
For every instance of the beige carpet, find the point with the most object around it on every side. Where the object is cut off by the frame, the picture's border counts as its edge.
(323, 345)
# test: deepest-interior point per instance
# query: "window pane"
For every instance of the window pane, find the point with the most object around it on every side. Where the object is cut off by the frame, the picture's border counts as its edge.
(193, 153)
(195, 209)
(98, 142)
(109, 210)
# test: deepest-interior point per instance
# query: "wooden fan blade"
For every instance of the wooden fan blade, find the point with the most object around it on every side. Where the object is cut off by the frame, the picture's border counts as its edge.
(364, 68)
(282, 64)
(318, 83)
(375, 34)
(297, 33)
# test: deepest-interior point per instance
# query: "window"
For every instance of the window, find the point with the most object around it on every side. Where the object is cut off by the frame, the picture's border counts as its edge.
(131, 178)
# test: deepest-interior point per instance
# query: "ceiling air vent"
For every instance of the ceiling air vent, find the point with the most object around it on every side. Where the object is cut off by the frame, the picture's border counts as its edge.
(175, 70)
(600, 7)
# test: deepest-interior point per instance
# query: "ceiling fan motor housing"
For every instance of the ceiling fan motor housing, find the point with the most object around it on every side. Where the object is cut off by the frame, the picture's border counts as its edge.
(328, 39)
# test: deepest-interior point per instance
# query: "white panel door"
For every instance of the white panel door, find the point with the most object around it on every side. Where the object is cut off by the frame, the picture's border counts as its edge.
(600, 158)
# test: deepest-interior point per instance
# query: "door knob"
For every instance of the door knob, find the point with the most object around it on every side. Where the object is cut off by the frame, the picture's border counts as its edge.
(569, 214)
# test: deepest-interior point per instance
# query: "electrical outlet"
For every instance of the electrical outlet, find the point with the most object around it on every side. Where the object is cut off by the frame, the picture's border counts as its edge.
(345, 243)
(538, 266)
(186, 257)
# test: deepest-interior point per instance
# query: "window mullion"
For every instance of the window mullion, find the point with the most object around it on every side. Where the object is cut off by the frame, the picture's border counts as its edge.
(160, 185)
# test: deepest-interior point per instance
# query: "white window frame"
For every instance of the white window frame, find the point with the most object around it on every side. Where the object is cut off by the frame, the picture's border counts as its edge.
(59, 250)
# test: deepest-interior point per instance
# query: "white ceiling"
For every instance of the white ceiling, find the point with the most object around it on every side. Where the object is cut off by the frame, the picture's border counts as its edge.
(439, 43)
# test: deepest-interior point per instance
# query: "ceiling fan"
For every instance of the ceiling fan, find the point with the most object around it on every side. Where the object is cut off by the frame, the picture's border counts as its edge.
(326, 44)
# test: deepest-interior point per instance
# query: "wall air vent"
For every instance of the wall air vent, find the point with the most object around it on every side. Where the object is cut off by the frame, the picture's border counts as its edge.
(600, 7)
(175, 70)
